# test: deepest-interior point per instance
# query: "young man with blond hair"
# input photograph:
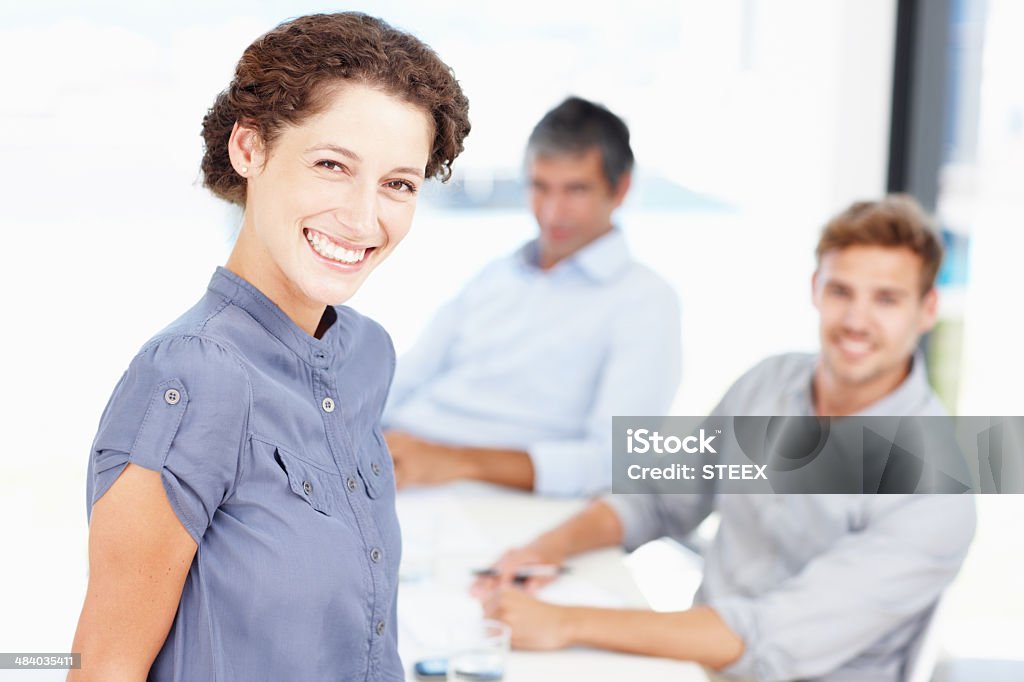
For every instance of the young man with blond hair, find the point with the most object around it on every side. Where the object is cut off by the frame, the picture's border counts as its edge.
(795, 587)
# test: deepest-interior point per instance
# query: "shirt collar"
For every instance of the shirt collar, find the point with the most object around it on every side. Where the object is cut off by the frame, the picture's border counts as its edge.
(244, 295)
(908, 397)
(905, 399)
(601, 260)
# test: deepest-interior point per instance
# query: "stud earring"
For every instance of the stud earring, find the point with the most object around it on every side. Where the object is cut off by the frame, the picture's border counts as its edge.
(245, 169)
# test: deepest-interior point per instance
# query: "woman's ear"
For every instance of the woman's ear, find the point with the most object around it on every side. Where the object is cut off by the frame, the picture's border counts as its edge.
(245, 149)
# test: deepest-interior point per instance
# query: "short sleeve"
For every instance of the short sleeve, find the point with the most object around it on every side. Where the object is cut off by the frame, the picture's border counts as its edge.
(181, 409)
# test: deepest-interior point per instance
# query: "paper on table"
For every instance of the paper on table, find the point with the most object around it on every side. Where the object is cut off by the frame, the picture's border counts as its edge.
(427, 613)
(575, 591)
(439, 523)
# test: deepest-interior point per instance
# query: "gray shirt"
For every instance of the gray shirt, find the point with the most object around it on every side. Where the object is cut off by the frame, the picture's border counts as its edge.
(823, 587)
(269, 446)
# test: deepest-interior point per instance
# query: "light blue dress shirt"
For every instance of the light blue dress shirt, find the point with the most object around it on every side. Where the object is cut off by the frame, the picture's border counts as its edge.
(830, 588)
(268, 442)
(539, 361)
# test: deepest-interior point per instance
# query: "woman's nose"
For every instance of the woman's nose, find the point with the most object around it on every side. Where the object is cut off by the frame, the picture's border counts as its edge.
(358, 212)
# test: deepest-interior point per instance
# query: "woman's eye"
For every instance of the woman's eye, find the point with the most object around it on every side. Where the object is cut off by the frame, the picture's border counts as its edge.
(333, 166)
(401, 186)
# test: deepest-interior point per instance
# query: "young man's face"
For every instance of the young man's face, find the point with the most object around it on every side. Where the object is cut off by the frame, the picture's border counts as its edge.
(572, 201)
(871, 312)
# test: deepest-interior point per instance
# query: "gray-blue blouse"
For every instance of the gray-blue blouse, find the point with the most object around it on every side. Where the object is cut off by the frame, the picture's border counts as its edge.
(269, 445)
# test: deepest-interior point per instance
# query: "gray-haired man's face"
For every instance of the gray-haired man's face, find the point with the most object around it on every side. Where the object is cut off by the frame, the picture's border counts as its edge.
(572, 201)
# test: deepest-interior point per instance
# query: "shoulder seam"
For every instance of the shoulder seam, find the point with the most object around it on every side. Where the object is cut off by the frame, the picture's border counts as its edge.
(152, 343)
(225, 302)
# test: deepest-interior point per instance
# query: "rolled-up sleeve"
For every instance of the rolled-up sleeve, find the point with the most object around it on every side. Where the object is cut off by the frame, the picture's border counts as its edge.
(640, 377)
(181, 409)
(867, 584)
(646, 517)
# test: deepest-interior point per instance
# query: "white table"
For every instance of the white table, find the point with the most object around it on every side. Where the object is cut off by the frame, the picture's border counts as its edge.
(450, 530)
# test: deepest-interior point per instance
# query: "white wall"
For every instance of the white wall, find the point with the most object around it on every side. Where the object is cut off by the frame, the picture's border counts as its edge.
(777, 107)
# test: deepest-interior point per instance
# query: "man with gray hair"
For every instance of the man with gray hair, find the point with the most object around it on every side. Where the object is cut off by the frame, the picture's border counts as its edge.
(516, 379)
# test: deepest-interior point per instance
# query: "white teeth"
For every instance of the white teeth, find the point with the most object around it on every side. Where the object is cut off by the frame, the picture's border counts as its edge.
(328, 249)
(855, 346)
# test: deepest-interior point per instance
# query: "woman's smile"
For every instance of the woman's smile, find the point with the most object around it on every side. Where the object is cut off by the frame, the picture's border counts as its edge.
(336, 252)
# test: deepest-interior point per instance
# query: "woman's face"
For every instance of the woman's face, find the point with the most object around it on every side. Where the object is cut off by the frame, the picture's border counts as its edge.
(332, 198)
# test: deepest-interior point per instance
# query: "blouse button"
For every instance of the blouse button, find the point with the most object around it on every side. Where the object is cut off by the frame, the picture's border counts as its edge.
(171, 396)
(351, 483)
(307, 487)
(328, 405)
(380, 628)
(375, 555)
(376, 468)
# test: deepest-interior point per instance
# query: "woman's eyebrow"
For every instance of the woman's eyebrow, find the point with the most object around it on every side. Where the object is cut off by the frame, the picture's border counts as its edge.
(335, 148)
(418, 172)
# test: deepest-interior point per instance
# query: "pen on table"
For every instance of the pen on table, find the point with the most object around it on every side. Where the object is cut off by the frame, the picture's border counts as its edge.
(524, 573)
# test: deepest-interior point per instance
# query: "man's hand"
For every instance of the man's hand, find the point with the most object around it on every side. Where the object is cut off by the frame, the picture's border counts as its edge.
(535, 625)
(420, 462)
(512, 561)
(698, 634)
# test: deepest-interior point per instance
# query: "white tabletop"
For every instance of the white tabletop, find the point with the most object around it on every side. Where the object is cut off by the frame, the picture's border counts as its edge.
(450, 530)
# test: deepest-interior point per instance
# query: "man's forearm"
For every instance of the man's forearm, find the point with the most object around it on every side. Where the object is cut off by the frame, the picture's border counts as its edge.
(511, 468)
(595, 527)
(698, 634)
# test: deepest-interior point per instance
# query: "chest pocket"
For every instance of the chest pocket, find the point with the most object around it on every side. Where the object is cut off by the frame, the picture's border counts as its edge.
(309, 482)
(375, 466)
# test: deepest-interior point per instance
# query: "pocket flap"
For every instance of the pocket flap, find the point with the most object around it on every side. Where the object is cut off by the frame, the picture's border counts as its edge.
(309, 482)
(376, 468)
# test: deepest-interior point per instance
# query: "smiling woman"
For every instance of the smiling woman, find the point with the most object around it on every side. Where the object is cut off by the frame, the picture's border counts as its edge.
(333, 199)
(242, 521)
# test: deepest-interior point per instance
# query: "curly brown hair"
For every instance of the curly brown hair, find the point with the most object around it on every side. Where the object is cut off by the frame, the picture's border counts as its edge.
(895, 221)
(287, 75)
